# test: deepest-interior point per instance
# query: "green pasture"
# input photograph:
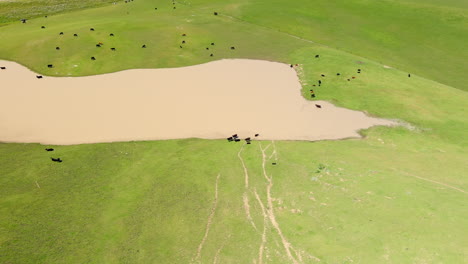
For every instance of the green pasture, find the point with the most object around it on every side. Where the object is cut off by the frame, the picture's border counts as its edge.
(399, 195)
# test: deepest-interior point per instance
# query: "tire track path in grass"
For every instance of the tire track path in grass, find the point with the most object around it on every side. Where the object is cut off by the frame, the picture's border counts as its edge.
(208, 223)
(245, 196)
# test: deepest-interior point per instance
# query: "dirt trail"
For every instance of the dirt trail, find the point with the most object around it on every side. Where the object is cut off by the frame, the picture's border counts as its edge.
(270, 212)
(245, 196)
(208, 223)
(265, 223)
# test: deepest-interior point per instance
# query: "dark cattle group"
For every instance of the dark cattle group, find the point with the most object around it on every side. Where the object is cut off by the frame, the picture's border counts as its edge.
(236, 138)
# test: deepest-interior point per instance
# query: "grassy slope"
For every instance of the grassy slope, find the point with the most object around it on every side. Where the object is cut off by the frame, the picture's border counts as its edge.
(423, 37)
(147, 202)
(14, 10)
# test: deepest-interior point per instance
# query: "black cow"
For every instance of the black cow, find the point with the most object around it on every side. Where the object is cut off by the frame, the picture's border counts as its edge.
(257, 135)
(236, 140)
(207, 48)
(57, 48)
(323, 75)
(230, 139)
(174, 7)
(409, 75)
(56, 160)
(98, 45)
(45, 16)
(93, 58)
(212, 43)
(49, 149)
(75, 35)
(215, 13)
(273, 163)
(43, 27)
(113, 49)
(318, 106)
(316, 56)
(39, 76)
(234, 136)
(183, 41)
(92, 29)
(211, 55)
(155, 8)
(2, 68)
(144, 46)
(312, 95)
(61, 33)
(349, 80)
(111, 34)
(233, 48)
(50, 65)
(319, 82)
(338, 74)
(23, 20)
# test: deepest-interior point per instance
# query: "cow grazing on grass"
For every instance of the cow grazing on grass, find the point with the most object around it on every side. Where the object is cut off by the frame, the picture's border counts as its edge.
(312, 95)
(316, 56)
(318, 106)
(211, 55)
(92, 29)
(236, 140)
(273, 163)
(56, 160)
(212, 43)
(354, 77)
(230, 139)
(338, 74)
(323, 75)
(183, 41)
(291, 65)
(61, 33)
(113, 49)
(75, 35)
(349, 80)
(248, 139)
(50, 65)
(39, 76)
(319, 82)
(174, 7)
(409, 75)
(93, 58)
(155, 8)
(49, 149)
(183, 35)
(23, 20)
(98, 45)
(144, 46)
(180, 46)
(215, 13)
(43, 27)
(207, 48)
(233, 48)
(111, 34)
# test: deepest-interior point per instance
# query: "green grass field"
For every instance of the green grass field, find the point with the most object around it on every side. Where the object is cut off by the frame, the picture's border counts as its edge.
(397, 196)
